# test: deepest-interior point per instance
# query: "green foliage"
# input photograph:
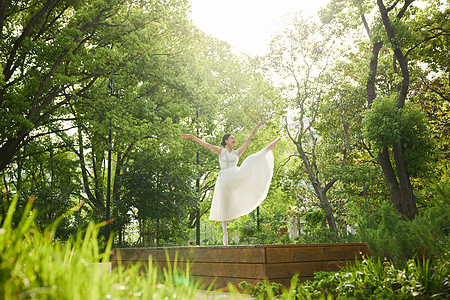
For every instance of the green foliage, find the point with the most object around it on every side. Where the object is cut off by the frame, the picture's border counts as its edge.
(419, 147)
(382, 123)
(375, 279)
(269, 231)
(261, 290)
(157, 189)
(385, 124)
(54, 181)
(313, 231)
(389, 236)
(314, 217)
(54, 56)
(431, 22)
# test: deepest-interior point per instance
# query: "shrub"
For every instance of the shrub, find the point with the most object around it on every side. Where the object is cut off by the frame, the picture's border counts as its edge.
(376, 279)
(389, 236)
(261, 290)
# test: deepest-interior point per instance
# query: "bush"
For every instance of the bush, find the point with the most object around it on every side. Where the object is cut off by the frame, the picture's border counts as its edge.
(389, 236)
(375, 279)
(261, 290)
(382, 122)
(372, 278)
(269, 231)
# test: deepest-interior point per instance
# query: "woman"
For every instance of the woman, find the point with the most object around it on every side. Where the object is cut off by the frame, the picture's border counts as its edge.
(239, 190)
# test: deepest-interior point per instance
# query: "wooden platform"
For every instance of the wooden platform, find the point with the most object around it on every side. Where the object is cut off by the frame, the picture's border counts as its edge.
(277, 263)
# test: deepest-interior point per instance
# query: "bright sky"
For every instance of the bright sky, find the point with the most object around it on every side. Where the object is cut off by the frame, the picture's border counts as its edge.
(247, 24)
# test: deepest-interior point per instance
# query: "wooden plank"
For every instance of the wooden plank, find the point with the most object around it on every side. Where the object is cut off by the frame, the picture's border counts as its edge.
(250, 271)
(303, 269)
(237, 254)
(318, 252)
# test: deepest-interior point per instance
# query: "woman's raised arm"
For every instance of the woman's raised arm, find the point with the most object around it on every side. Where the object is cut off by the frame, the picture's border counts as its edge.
(216, 149)
(247, 141)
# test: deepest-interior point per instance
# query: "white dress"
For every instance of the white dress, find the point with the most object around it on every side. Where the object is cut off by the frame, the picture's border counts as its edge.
(239, 190)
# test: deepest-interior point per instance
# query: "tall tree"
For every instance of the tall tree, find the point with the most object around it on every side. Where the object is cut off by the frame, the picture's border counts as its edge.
(159, 192)
(396, 30)
(53, 53)
(56, 78)
(301, 59)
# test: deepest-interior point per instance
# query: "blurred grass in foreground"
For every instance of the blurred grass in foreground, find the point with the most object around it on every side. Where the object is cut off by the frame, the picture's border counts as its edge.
(33, 265)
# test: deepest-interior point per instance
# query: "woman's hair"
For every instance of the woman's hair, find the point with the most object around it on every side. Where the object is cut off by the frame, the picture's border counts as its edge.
(224, 138)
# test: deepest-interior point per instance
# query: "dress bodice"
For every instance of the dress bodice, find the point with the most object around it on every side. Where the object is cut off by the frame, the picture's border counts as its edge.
(228, 159)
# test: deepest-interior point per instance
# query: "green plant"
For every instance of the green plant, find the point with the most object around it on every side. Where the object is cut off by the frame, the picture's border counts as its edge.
(267, 233)
(33, 265)
(314, 231)
(376, 279)
(261, 290)
(389, 236)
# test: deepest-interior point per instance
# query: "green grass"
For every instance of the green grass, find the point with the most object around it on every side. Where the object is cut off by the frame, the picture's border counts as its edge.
(33, 265)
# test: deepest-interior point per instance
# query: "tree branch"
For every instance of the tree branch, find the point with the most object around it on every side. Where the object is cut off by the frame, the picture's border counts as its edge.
(393, 5)
(366, 25)
(404, 8)
(426, 40)
(9, 68)
(370, 87)
(45, 28)
(398, 53)
(2, 16)
(49, 132)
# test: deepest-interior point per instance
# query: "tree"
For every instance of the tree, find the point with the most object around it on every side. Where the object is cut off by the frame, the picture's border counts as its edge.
(301, 59)
(159, 192)
(53, 53)
(58, 61)
(395, 32)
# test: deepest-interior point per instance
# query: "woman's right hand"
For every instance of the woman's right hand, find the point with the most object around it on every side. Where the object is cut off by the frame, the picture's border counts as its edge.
(185, 136)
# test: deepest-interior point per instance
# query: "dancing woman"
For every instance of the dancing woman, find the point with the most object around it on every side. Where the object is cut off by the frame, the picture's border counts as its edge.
(239, 190)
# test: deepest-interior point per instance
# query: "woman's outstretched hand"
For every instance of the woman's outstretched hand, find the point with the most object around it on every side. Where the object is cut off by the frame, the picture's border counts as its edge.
(258, 125)
(185, 136)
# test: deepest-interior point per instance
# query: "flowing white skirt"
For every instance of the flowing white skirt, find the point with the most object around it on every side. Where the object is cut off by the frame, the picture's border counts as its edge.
(239, 190)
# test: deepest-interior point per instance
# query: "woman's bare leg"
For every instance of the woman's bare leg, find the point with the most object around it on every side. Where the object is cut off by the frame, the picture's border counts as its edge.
(273, 144)
(225, 233)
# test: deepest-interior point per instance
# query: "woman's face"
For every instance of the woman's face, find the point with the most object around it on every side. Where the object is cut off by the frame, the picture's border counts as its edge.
(230, 141)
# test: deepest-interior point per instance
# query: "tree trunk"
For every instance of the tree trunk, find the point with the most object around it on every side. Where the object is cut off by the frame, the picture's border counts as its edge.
(399, 183)
(397, 180)
(400, 189)
(10, 148)
(93, 200)
(326, 206)
(407, 202)
(373, 72)
(320, 191)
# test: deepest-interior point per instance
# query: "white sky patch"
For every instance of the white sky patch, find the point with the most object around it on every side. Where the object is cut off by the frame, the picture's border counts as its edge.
(247, 24)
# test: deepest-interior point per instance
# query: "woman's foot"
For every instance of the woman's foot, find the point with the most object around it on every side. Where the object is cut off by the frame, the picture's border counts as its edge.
(273, 144)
